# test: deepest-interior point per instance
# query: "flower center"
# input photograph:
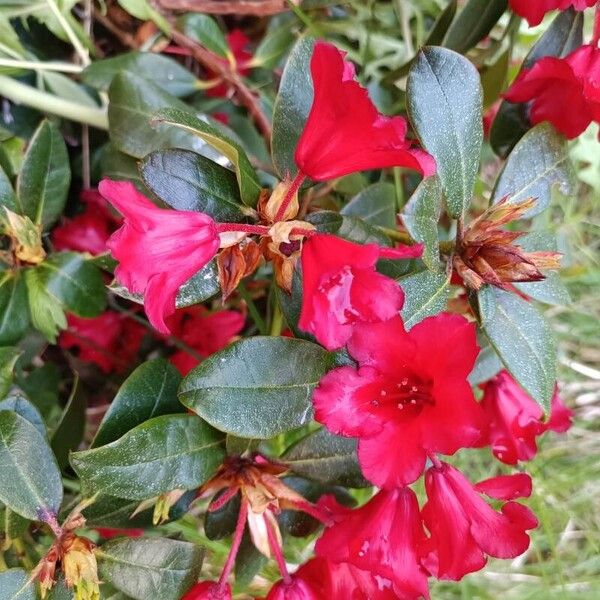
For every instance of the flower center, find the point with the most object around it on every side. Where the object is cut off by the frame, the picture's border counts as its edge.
(408, 395)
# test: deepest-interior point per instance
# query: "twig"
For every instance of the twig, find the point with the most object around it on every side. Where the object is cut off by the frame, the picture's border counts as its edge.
(81, 51)
(125, 38)
(257, 8)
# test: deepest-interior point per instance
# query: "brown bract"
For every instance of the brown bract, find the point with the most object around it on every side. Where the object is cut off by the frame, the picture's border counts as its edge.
(236, 262)
(488, 254)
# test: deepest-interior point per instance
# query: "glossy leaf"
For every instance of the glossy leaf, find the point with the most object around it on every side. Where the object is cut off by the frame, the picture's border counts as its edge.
(248, 183)
(30, 483)
(273, 46)
(68, 433)
(523, 340)
(8, 197)
(163, 454)
(292, 106)
(164, 72)
(221, 523)
(444, 101)
(9, 355)
(474, 22)
(146, 568)
(442, 24)
(537, 163)
(23, 407)
(350, 228)
(187, 181)
(248, 562)
(45, 176)
(150, 391)
(240, 391)
(202, 286)
(326, 458)
(493, 78)
(425, 294)
(487, 365)
(375, 205)
(47, 314)
(16, 584)
(421, 216)
(14, 312)
(204, 30)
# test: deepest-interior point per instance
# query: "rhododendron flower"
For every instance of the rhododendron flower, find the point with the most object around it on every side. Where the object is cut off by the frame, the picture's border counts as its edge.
(464, 528)
(208, 590)
(382, 537)
(238, 43)
(563, 91)
(204, 332)
(341, 288)
(89, 230)
(110, 532)
(158, 249)
(409, 396)
(344, 132)
(110, 340)
(534, 10)
(515, 419)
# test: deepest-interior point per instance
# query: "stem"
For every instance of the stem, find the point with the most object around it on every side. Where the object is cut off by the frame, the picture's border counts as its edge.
(81, 51)
(289, 196)
(18, 92)
(277, 320)
(435, 461)
(277, 553)
(235, 544)
(257, 229)
(40, 66)
(258, 320)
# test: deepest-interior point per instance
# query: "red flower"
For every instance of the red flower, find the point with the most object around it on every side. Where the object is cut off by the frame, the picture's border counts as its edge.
(238, 44)
(158, 250)
(208, 590)
(464, 528)
(321, 579)
(563, 91)
(534, 10)
(341, 288)
(409, 396)
(88, 231)
(205, 332)
(515, 420)
(344, 132)
(109, 532)
(382, 537)
(109, 340)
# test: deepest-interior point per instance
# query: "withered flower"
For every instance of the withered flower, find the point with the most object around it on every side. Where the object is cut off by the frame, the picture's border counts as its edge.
(485, 253)
(236, 262)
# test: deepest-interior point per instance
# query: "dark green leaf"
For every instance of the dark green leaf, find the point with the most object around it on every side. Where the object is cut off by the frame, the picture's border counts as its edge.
(150, 391)
(16, 584)
(444, 101)
(248, 183)
(420, 217)
(120, 166)
(164, 72)
(291, 304)
(493, 78)
(15, 526)
(26, 409)
(441, 26)
(30, 483)
(202, 286)
(375, 205)
(205, 30)
(257, 387)
(326, 458)
(273, 46)
(9, 355)
(523, 340)
(350, 228)
(187, 181)
(221, 523)
(292, 106)
(14, 312)
(474, 22)
(45, 176)
(425, 294)
(146, 568)
(538, 162)
(248, 562)
(163, 454)
(75, 282)
(488, 365)
(8, 197)
(68, 434)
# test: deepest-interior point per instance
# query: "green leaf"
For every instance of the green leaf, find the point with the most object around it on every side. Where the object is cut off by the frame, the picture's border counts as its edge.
(16, 584)
(204, 285)
(474, 22)
(163, 454)
(538, 162)
(375, 205)
(564, 35)
(150, 391)
(62, 86)
(350, 228)
(248, 183)
(493, 78)
(166, 73)
(9, 356)
(46, 311)
(421, 216)
(425, 294)
(273, 46)
(248, 562)
(45, 176)
(442, 24)
(204, 30)
(187, 181)
(257, 387)
(30, 483)
(15, 527)
(75, 282)
(523, 340)
(221, 523)
(14, 312)
(26, 409)
(487, 365)
(68, 433)
(444, 101)
(292, 106)
(8, 197)
(326, 458)
(141, 9)
(145, 568)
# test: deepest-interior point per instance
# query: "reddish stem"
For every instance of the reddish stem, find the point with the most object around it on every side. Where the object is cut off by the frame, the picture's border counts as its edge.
(435, 460)
(292, 190)
(223, 499)
(277, 553)
(257, 229)
(235, 544)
